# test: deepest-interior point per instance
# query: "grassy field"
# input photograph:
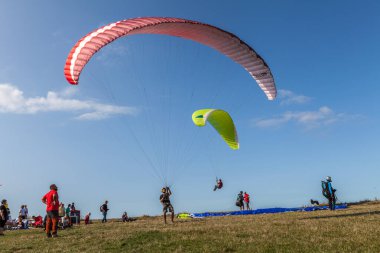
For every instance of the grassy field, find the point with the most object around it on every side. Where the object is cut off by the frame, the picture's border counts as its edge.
(356, 229)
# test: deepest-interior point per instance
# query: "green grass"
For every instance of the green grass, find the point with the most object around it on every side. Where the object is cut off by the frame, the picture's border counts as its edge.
(356, 229)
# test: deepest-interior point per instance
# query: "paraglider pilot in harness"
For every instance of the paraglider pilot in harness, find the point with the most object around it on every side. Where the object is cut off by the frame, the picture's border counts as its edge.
(329, 192)
(219, 184)
(165, 201)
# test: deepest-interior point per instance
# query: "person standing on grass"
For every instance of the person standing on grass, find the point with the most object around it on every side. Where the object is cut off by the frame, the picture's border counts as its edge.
(246, 201)
(26, 211)
(52, 206)
(61, 210)
(329, 192)
(67, 214)
(62, 213)
(3, 216)
(8, 210)
(166, 205)
(239, 201)
(104, 209)
(22, 212)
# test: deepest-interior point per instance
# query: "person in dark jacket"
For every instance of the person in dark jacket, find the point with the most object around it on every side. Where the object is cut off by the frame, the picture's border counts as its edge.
(240, 200)
(3, 216)
(104, 209)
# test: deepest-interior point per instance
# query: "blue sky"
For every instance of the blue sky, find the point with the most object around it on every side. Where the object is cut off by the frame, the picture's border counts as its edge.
(133, 106)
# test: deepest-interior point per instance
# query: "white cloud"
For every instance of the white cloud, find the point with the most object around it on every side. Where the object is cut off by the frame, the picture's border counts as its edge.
(310, 119)
(69, 91)
(12, 100)
(288, 97)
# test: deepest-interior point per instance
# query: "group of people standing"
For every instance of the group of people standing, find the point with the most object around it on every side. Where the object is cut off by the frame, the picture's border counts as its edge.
(23, 213)
(56, 212)
(242, 201)
(65, 214)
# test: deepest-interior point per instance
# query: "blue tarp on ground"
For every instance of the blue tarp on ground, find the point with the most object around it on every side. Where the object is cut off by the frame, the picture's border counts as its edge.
(266, 210)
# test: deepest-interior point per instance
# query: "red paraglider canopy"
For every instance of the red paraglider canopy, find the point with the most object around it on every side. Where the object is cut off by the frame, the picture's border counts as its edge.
(225, 42)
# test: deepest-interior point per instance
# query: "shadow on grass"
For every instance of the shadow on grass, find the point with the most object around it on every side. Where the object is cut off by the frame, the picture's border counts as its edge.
(342, 215)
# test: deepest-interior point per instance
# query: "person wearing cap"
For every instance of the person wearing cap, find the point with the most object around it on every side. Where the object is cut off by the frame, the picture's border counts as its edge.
(51, 201)
(166, 205)
(3, 216)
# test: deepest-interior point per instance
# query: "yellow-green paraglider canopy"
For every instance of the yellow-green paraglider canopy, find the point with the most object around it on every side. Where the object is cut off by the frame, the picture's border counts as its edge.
(221, 121)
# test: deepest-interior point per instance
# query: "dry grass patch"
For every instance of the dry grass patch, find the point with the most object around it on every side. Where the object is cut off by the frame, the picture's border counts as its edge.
(356, 229)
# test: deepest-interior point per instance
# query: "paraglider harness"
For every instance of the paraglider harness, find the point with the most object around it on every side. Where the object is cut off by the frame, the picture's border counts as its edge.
(326, 192)
(239, 200)
(165, 200)
(219, 184)
(103, 208)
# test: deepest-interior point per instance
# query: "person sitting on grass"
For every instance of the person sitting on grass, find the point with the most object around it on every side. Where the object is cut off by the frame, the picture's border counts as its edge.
(125, 217)
(20, 224)
(38, 221)
(165, 201)
(87, 219)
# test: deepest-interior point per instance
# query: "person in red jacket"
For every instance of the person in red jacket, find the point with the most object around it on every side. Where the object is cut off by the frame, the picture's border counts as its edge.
(52, 206)
(87, 219)
(246, 201)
